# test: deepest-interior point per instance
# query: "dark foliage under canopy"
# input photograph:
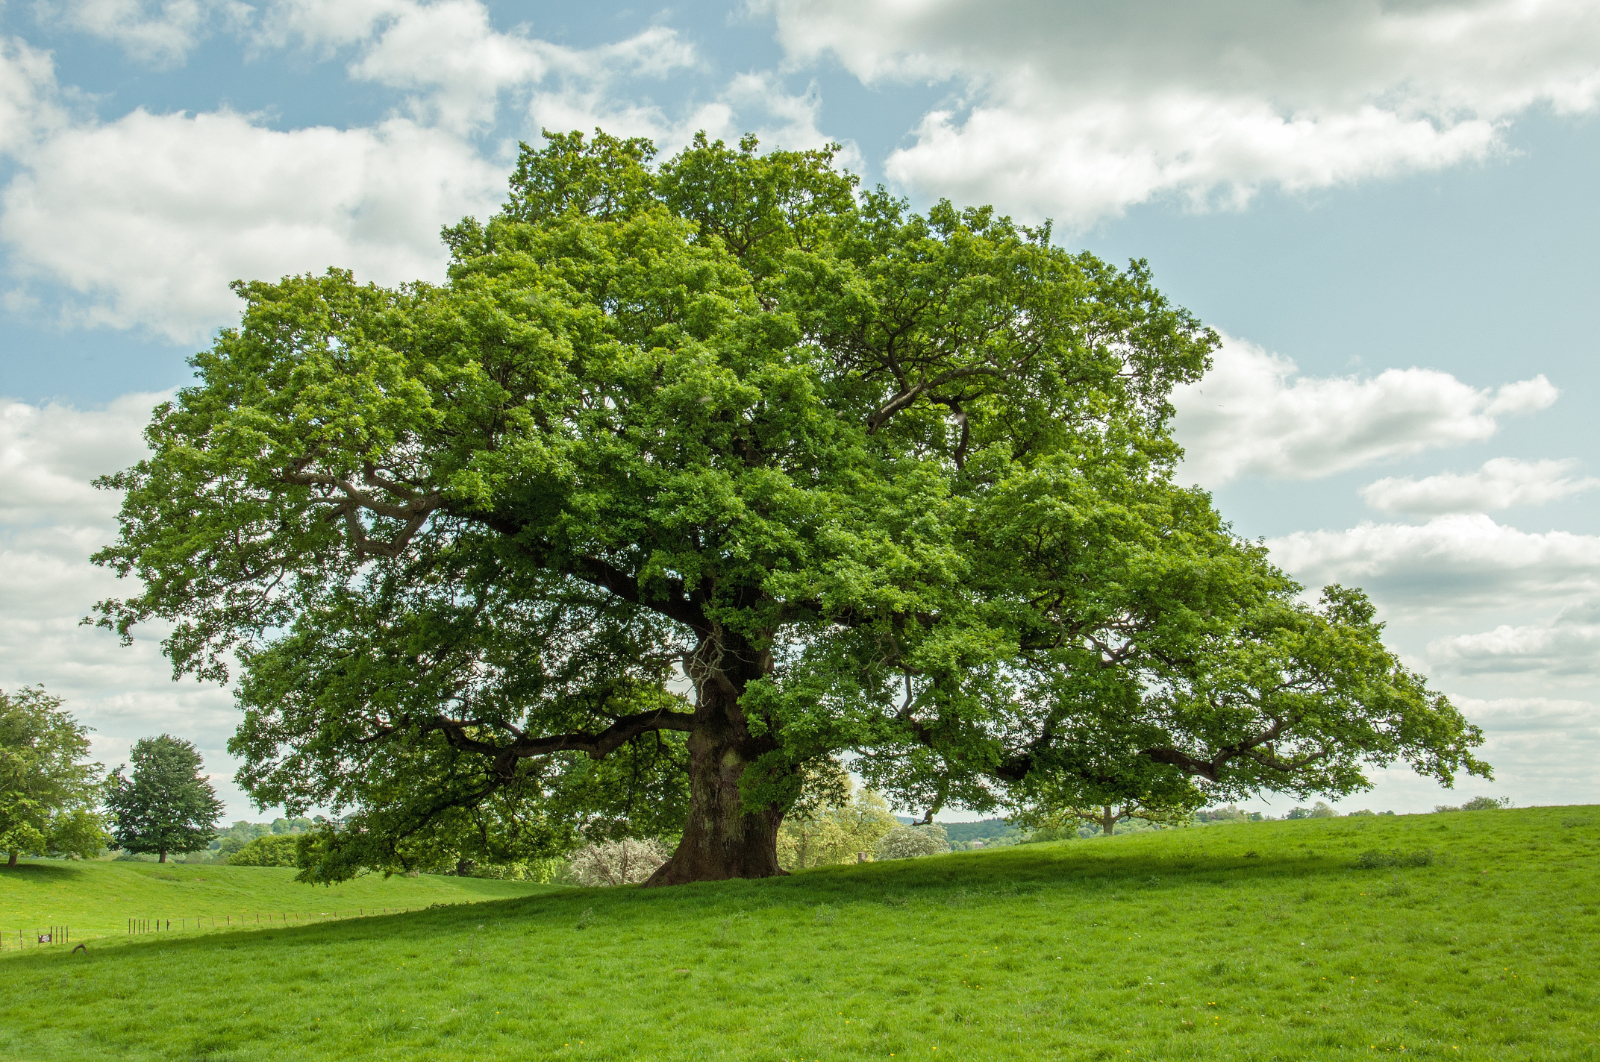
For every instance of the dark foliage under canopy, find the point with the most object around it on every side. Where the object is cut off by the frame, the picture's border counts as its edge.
(883, 485)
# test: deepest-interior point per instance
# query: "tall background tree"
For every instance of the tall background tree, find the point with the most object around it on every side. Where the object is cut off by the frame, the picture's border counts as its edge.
(869, 483)
(48, 797)
(165, 805)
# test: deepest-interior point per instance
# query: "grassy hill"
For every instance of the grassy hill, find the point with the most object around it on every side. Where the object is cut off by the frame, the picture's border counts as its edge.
(1468, 935)
(97, 899)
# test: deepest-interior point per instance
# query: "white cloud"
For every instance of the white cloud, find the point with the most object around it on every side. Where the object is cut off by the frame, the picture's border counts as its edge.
(751, 102)
(28, 95)
(1500, 484)
(49, 454)
(160, 33)
(1078, 110)
(143, 221)
(453, 61)
(1543, 749)
(149, 217)
(325, 25)
(51, 520)
(450, 54)
(1566, 647)
(1450, 562)
(458, 64)
(1253, 415)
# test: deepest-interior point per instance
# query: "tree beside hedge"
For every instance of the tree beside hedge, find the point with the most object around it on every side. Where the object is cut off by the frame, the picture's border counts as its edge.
(276, 851)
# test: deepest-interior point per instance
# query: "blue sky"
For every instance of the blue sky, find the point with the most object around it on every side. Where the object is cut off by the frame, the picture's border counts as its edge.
(1387, 210)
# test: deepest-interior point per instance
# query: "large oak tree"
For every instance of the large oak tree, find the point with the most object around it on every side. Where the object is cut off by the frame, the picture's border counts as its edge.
(694, 477)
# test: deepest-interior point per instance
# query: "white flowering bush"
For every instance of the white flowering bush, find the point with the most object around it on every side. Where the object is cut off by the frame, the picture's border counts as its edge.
(908, 842)
(625, 862)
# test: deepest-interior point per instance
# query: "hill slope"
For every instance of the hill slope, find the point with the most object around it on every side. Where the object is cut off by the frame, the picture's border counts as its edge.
(1468, 935)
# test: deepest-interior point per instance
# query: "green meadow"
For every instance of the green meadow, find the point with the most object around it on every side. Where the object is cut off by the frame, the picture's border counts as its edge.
(1468, 935)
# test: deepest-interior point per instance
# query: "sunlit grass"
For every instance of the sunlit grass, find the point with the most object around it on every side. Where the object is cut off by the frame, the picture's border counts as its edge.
(1259, 941)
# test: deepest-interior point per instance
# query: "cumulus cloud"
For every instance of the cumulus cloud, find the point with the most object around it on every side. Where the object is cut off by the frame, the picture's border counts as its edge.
(149, 217)
(457, 64)
(143, 221)
(749, 103)
(324, 25)
(1567, 647)
(50, 453)
(1253, 415)
(51, 520)
(1450, 562)
(1078, 110)
(160, 33)
(29, 104)
(1500, 484)
(1543, 749)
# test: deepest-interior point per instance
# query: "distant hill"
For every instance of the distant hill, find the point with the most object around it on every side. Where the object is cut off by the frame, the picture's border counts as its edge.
(962, 832)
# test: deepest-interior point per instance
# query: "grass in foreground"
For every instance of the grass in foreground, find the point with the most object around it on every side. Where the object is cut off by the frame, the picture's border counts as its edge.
(96, 899)
(1470, 935)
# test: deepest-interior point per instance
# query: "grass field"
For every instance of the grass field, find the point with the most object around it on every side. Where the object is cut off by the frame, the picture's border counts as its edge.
(96, 900)
(1468, 935)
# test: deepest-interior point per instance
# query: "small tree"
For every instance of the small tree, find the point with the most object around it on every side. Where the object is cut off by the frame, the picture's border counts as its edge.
(1057, 803)
(1106, 816)
(833, 822)
(47, 796)
(167, 805)
(908, 842)
(278, 850)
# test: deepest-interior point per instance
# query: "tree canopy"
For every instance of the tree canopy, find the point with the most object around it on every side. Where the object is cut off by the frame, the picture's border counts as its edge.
(47, 797)
(165, 805)
(694, 476)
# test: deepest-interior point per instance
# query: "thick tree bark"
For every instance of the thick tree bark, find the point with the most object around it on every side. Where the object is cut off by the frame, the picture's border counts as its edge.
(1108, 821)
(163, 858)
(722, 839)
(13, 860)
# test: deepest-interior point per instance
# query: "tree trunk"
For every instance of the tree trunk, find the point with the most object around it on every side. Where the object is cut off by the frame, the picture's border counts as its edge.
(163, 858)
(722, 839)
(13, 860)
(1108, 821)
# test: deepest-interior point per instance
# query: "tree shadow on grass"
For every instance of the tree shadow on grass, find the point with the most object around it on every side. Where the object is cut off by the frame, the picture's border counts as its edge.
(964, 878)
(40, 873)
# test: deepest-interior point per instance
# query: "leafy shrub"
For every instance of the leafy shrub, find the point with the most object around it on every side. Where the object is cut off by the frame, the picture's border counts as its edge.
(624, 862)
(542, 871)
(1375, 860)
(271, 851)
(908, 842)
(1480, 803)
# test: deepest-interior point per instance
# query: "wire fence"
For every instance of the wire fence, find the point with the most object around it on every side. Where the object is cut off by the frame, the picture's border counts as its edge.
(252, 920)
(190, 924)
(38, 938)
